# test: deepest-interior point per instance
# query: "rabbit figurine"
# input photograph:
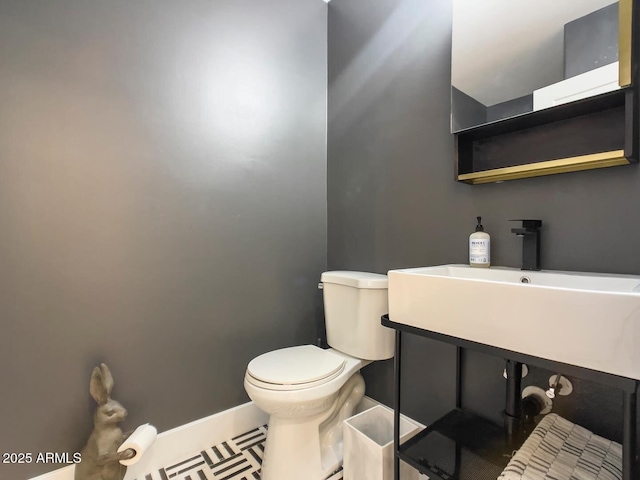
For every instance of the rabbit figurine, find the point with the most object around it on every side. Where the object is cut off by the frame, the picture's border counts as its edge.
(100, 458)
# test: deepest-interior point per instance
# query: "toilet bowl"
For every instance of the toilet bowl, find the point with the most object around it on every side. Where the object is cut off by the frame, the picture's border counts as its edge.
(308, 391)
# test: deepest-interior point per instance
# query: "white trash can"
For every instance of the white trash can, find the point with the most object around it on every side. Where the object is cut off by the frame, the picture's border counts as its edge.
(368, 445)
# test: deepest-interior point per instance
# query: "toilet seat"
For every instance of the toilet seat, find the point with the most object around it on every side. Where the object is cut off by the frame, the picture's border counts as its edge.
(294, 368)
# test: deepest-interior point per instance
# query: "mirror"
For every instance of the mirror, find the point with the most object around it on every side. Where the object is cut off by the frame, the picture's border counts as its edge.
(511, 57)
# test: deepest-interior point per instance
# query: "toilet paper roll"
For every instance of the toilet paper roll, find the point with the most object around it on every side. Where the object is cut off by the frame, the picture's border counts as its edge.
(140, 440)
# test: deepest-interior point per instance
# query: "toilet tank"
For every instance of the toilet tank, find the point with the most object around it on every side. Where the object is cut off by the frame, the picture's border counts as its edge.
(353, 305)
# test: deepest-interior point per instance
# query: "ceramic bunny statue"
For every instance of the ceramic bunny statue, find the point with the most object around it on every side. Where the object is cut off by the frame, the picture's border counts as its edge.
(100, 458)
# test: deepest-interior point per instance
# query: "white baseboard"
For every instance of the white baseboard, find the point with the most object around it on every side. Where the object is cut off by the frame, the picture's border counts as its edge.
(65, 473)
(180, 442)
(176, 444)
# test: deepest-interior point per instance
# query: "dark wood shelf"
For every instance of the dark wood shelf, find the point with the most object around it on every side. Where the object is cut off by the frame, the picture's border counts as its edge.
(591, 133)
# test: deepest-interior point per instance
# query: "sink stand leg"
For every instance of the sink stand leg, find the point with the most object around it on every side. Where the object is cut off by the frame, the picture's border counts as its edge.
(396, 408)
(629, 438)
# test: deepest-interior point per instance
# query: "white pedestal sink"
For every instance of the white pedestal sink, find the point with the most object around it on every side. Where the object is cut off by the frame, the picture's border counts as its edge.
(585, 319)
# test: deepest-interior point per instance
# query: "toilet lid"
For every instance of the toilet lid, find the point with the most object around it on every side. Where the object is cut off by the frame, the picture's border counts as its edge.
(296, 366)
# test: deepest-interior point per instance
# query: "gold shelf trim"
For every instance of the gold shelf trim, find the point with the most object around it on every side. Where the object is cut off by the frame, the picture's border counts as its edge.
(625, 10)
(549, 167)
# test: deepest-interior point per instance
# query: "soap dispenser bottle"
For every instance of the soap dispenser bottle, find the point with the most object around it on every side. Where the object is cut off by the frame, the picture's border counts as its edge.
(479, 247)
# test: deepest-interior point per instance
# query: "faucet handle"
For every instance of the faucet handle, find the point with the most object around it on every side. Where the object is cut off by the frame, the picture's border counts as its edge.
(533, 224)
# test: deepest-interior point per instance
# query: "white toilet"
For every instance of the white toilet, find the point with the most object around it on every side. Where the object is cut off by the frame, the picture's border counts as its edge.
(308, 391)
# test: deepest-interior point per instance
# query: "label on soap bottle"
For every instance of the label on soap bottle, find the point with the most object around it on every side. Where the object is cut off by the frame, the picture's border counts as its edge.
(479, 251)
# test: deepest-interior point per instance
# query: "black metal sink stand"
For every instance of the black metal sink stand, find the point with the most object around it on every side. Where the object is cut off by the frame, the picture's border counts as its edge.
(488, 440)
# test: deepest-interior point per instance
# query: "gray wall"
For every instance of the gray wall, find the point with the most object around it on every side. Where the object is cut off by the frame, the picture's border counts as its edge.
(510, 108)
(393, 201)
(466, 111)
(162, 205)
(591, 41)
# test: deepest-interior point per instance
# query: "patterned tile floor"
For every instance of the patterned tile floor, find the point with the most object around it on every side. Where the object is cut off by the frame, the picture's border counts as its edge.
(237, 459)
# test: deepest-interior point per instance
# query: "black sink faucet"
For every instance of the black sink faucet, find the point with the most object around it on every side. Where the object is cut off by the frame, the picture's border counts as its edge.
(530, 233)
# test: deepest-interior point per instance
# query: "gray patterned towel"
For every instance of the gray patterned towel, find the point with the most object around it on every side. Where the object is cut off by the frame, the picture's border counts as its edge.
(560, 450)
